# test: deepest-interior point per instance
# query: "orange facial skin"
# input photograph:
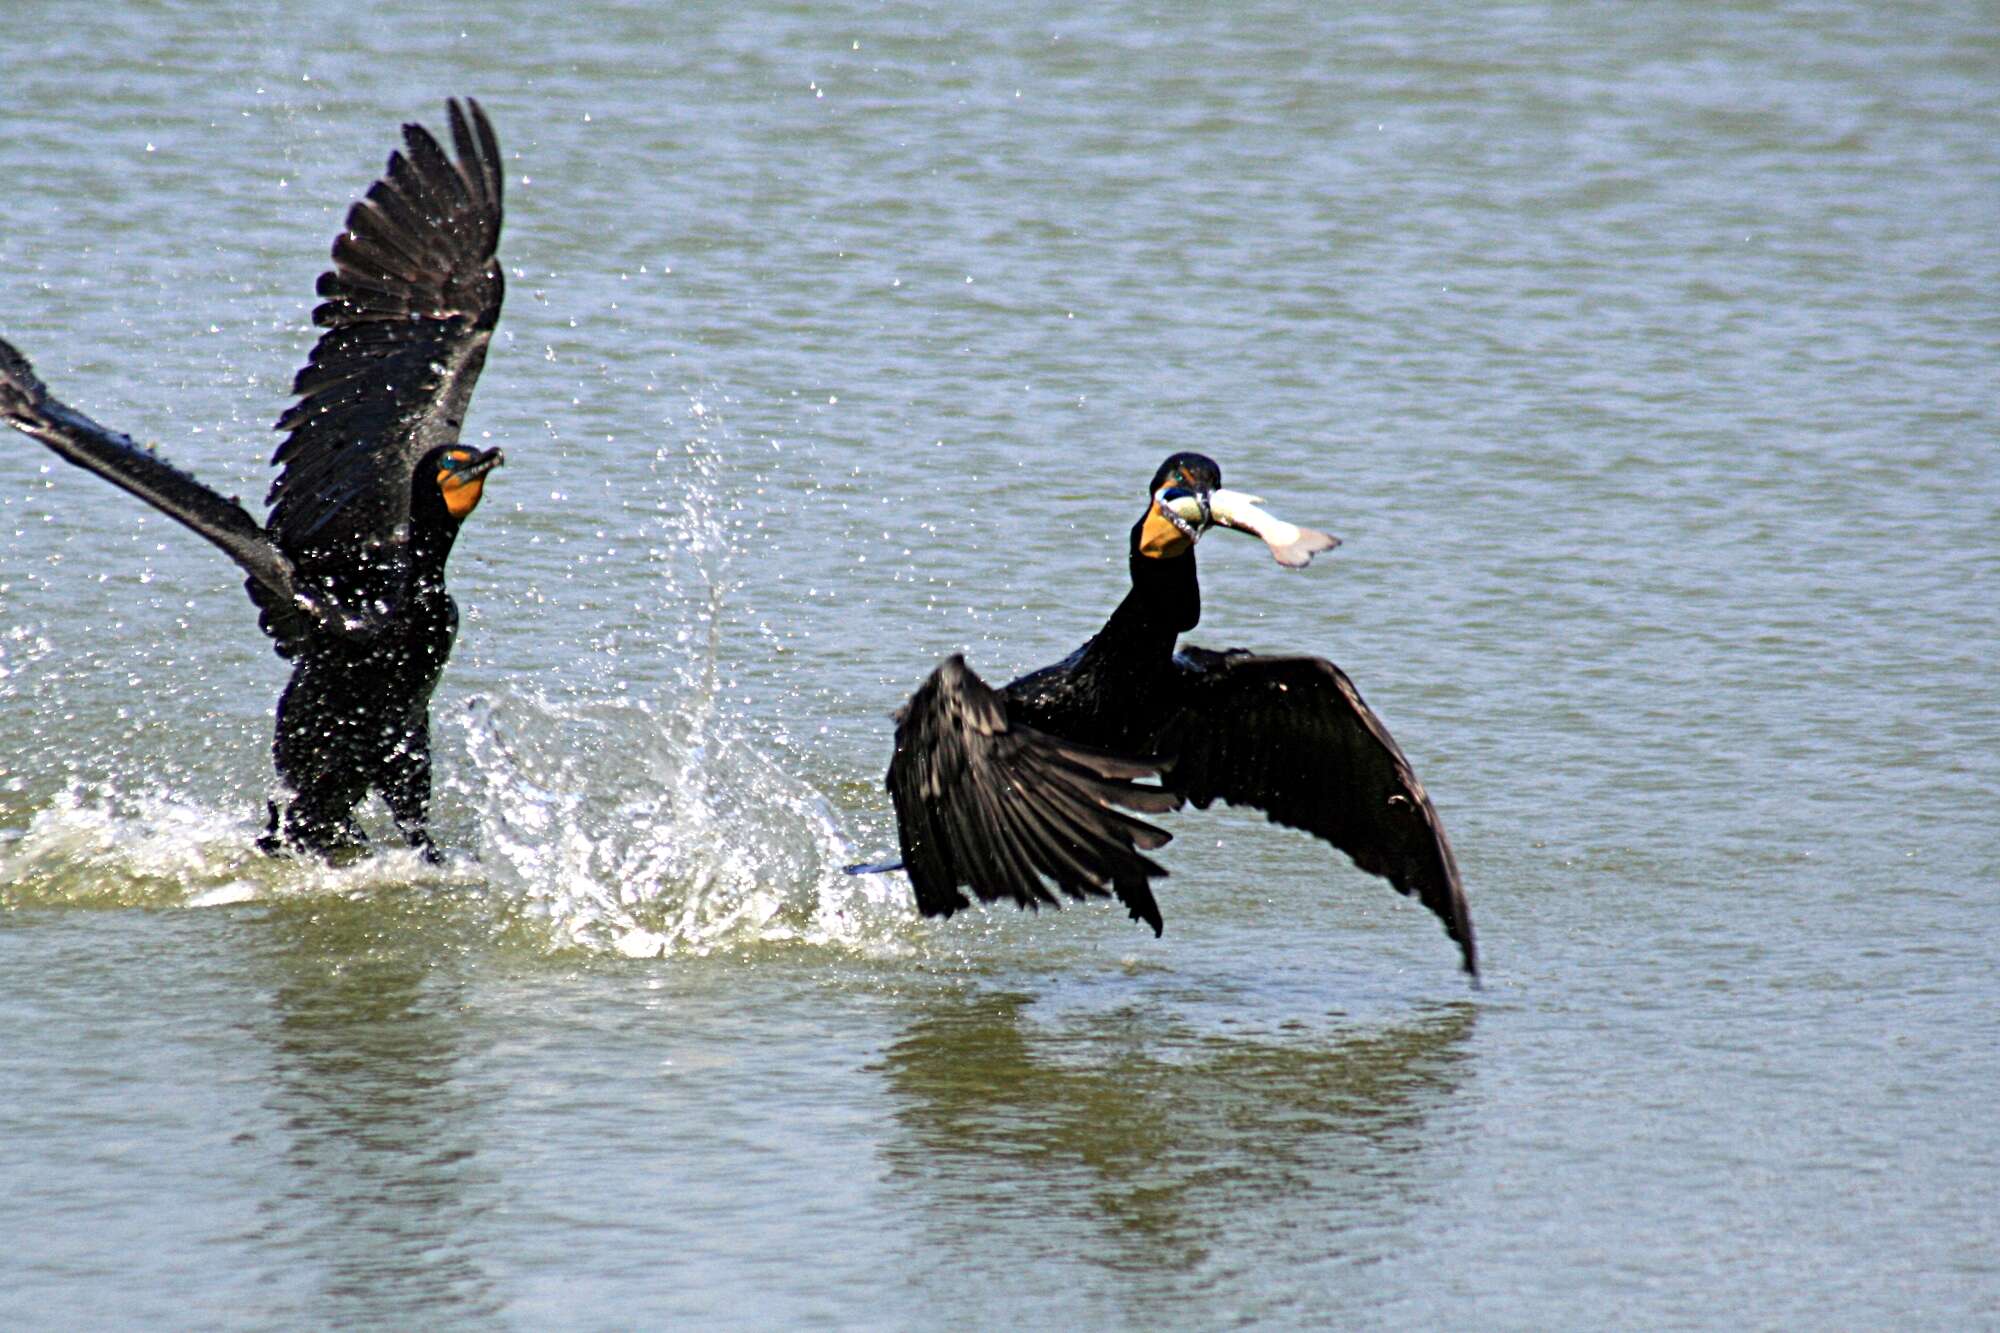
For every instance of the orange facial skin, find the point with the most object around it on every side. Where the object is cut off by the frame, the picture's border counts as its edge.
(1159, 539)
(464, 482)
(461, 496)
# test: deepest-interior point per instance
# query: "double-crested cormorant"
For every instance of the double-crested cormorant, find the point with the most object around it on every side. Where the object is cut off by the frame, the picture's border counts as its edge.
(349, 572)
(1003, 790)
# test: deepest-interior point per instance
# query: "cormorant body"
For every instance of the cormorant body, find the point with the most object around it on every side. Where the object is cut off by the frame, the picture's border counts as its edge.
(1291, 736)
(348, 573)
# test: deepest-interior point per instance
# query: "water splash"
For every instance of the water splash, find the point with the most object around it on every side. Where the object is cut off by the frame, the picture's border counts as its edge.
(606, 825)
(95, 845)
(654, 820)
(91, 846)
(646, 832)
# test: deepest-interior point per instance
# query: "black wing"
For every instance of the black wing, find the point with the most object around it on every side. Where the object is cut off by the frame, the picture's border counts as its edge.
(1000, 806)
(1292, 737)
(411, 302)
(25, 404)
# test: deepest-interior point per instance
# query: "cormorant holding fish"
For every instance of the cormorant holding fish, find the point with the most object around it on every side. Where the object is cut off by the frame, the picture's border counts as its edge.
(349, 572)
(1002, 790)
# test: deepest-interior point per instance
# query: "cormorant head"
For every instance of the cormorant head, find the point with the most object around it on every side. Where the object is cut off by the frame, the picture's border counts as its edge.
(1187, 499)
(1177, 506)
(460, 474)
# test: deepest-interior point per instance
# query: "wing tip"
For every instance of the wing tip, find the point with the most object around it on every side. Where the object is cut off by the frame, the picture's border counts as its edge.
(932, 903)
(1142, 906)
(22, 392)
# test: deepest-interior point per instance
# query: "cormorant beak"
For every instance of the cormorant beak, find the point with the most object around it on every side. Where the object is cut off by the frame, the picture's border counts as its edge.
(1186, 509)
(484, 464)
(1293, 546)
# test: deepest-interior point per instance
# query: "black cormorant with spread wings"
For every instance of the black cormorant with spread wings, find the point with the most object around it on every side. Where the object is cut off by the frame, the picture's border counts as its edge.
(349, 571)
(1003, 791)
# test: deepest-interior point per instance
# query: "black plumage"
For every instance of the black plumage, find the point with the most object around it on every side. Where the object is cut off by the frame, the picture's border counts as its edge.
(1291, 736)
(348, 573)
(993, 803)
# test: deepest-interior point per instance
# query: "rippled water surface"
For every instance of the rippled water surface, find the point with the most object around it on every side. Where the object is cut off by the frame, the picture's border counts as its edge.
(1644, 357)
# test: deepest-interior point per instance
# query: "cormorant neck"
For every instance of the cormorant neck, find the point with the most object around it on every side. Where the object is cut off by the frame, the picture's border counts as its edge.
(1165, 602)
(432, 532)
(1165, 592)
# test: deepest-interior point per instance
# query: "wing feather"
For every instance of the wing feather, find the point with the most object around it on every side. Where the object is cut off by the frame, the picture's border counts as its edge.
(26, 405)
(1004, 809)
(1291, 736)
(410, 306)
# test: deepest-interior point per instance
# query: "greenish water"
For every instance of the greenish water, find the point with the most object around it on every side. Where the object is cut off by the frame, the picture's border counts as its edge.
(1643, 356)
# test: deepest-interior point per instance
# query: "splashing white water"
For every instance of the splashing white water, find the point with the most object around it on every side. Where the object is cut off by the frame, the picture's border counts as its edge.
(648, 833)
(89, 844)
(617, 827)
(96, 845)
(659, 823)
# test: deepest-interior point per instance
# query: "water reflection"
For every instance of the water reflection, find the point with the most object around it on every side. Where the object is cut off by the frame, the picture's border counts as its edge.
(369, 1043)
(1146, 1146)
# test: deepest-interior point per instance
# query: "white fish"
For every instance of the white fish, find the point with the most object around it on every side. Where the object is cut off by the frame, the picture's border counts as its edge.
(1293, 546)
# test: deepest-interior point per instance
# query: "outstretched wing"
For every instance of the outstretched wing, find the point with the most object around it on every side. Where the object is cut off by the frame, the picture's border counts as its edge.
(411, 303)
(1002, 807)
(26, 405)
(1292, 737)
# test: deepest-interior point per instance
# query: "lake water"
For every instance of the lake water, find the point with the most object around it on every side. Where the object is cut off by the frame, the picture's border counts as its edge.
(1644, 356)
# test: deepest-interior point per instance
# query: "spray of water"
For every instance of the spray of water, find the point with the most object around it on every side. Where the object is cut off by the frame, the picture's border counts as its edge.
(647, 833)
(648, 822)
